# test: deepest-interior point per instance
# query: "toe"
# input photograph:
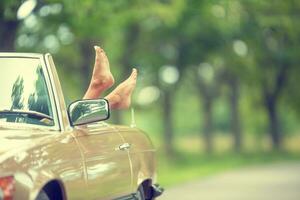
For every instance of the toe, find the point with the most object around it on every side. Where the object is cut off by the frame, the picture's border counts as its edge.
(97, 53)
(97, 48)
(133, 73)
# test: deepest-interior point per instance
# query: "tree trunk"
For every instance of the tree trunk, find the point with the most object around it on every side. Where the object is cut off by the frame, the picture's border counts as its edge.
(130, 44)
(208, 126)
(271, 97)
(274, 126)
(235, 118)
(8, 34)
(87, 53)
(168, 123)
(126, 61)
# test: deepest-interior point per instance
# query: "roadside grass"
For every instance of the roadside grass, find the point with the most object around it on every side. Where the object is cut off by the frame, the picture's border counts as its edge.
(188, 164)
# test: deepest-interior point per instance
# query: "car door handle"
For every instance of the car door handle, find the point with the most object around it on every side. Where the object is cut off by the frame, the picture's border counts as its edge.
(124, 146)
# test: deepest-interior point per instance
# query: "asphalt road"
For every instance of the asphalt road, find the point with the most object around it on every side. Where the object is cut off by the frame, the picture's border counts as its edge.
(272, 182)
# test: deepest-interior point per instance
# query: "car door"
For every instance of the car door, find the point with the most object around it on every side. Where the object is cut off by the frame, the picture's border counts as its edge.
(142, 155)
(107, 167)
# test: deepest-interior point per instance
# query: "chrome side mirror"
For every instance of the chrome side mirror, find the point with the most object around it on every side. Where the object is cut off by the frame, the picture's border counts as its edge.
(87, 111)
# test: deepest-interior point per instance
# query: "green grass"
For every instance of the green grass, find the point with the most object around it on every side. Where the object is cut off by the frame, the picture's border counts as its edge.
(191, 166)
(190, 161)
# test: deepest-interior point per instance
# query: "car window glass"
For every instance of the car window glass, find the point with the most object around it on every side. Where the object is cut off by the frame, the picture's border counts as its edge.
(23, 88)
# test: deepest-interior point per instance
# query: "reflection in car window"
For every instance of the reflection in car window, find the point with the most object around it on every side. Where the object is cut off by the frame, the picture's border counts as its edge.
(23, 89)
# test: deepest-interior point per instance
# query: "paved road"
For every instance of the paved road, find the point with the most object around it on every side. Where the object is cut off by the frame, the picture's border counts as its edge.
(272, 182)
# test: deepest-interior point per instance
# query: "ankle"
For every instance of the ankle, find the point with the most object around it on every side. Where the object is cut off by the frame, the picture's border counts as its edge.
(114, 100)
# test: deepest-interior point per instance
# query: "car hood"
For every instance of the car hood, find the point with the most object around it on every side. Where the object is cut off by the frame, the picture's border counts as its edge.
(14, 141)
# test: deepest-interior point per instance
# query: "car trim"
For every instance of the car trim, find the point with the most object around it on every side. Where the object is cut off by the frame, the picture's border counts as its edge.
(50, 86)
(58, 94)
(127, 197)
(54, 92)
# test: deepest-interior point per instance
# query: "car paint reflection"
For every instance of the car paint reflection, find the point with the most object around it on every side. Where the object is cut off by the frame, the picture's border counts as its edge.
(98, 170)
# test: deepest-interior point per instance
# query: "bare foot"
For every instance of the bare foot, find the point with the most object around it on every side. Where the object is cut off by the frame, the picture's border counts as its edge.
(102, 78)
(120, 98)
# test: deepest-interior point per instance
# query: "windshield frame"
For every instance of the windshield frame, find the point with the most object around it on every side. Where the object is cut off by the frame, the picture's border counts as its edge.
(49, 88)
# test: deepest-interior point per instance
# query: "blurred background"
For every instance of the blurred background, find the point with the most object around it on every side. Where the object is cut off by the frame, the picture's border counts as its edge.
(218, 79)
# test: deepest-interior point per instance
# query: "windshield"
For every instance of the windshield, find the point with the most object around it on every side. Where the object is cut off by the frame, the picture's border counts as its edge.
(23, 90)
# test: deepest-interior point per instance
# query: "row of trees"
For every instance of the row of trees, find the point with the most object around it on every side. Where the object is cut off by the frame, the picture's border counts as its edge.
(236, 44)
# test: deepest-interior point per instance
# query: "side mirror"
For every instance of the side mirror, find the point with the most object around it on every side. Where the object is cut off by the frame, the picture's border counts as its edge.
(87, 111)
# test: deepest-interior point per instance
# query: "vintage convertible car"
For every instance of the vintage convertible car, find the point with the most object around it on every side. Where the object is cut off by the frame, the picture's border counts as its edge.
(49, 151)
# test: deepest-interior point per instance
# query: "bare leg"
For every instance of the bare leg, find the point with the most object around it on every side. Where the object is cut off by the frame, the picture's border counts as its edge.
(102, 78)
(120, 98)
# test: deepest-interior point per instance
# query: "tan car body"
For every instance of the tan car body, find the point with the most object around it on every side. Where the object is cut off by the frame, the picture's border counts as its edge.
(85, 162)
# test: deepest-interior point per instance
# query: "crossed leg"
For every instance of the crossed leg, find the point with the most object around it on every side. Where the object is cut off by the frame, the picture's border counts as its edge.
(102, 79)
